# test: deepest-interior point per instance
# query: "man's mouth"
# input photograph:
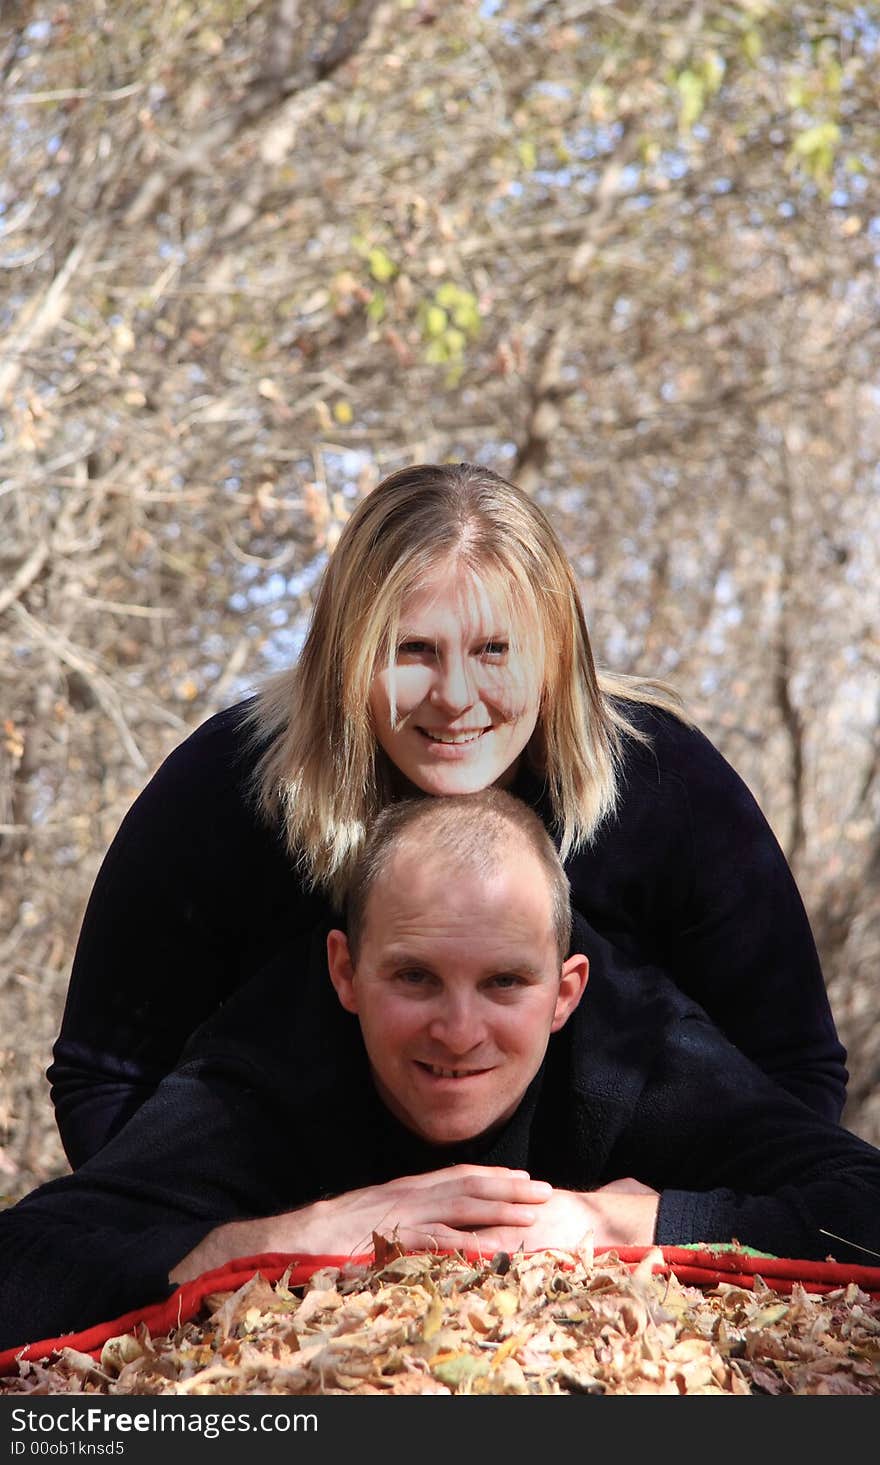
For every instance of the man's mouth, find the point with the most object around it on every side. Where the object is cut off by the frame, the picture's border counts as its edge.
(467, 735)
(436, 1071)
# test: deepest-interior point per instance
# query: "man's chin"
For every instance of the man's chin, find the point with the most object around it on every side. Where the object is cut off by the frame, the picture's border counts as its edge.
(447, 1135)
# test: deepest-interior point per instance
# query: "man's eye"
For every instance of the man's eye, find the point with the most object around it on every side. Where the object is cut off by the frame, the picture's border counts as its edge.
(414, 977)
(506, 981)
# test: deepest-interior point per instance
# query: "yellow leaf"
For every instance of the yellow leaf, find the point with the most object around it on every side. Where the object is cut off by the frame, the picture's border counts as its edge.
(505, 1303)
(433, 1318)
(516, 1340)
(343, 412)
(14, 739)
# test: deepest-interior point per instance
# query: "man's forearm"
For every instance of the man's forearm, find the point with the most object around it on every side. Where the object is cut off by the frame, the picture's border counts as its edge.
(289, 1232)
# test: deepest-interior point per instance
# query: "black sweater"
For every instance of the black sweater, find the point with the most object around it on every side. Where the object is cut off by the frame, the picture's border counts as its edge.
(273, 1106)
(196, 894)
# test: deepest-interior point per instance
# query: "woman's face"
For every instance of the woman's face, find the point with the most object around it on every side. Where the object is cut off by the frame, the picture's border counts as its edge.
(466, 702)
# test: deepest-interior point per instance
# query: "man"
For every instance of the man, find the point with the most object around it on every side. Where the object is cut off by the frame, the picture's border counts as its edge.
(450, 1086)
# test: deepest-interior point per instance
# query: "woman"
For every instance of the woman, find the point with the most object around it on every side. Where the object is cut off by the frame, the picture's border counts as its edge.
(447, 652)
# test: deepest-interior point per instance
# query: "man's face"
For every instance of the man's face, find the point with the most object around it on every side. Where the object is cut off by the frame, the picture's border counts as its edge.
(457, 988)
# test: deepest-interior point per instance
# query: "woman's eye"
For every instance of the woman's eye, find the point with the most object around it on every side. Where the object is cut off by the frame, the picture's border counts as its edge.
(495, 650)
(415, 648)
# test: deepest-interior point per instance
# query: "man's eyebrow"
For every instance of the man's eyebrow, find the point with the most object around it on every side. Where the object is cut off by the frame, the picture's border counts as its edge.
(400, 956)
(404, 956)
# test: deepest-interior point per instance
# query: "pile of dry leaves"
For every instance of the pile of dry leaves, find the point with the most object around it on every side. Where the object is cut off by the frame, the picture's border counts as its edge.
(548, 1323)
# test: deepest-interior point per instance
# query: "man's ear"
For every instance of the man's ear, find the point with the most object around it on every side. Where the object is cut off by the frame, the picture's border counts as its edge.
(341, 969)
(571, 989)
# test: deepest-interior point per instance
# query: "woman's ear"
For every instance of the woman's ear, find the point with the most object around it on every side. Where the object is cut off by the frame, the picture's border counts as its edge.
(341, 969)
(572, 982)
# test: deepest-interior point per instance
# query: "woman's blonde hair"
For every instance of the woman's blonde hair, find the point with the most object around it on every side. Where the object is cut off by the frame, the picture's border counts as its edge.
(322, 773)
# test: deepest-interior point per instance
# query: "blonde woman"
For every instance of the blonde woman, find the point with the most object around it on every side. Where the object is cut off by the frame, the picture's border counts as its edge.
(447, 652)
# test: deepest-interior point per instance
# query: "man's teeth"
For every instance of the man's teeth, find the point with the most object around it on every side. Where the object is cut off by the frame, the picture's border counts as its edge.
(449, 1072)
(462, 737)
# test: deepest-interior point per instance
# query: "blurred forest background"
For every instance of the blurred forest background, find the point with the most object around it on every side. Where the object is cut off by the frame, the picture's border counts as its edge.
(255, 254)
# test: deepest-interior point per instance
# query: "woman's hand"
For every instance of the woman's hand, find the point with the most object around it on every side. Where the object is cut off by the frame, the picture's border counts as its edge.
(464, 1207)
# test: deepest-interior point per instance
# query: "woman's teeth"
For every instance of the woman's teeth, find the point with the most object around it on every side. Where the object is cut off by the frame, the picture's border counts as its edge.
(462, 737)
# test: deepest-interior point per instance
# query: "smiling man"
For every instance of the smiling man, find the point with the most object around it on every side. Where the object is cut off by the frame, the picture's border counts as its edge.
(455, 965)
(456, 1081)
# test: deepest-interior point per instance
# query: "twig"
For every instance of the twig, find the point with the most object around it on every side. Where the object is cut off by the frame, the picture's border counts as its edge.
(74, 94)
(25, 575)
(835, 1237)
(104, 691)
(35, 326)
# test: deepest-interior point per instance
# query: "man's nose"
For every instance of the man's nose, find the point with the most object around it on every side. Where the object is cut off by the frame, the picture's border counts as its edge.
(452, 692)
(456, 1025)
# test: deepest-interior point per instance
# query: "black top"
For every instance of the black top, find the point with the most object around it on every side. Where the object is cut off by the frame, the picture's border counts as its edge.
(273, 1106)
(197, 893)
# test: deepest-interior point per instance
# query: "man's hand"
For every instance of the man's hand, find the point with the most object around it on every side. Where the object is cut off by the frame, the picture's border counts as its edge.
(465, 1207)
(623, 1213)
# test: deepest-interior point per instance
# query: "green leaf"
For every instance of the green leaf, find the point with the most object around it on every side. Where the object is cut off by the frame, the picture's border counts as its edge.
(436, 321)
(378, 306)
(814, 149)
(752, 45)
(527, 153)
(382, 266)
(462, 305)
(436, 352)
(692, 98)
(462, 1368)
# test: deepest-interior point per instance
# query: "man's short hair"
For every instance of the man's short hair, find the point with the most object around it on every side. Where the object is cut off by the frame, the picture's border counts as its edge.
(469, 830)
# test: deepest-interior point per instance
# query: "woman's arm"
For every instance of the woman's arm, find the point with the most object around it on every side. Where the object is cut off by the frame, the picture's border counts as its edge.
(737, 1158)
(193, 897)
(745, 950)
(689, 875)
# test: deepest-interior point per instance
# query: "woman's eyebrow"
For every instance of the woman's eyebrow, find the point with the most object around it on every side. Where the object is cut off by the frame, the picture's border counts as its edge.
(493, 632)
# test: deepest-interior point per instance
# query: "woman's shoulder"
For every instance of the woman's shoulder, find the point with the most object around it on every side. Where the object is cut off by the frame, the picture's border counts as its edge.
(223, 744)
(664, 745)
(671, 759)
(210, 772)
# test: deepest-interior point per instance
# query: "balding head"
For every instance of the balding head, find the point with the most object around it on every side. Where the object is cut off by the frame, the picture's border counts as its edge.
(470, 836)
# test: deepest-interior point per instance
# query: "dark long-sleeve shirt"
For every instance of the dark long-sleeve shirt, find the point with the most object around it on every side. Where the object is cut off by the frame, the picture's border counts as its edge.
(197, 893)
(272, 1106)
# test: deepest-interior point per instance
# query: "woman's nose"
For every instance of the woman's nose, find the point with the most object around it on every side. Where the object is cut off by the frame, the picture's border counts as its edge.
(452, 690)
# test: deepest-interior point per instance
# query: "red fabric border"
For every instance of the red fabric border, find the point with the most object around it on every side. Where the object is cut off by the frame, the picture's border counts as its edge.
(704, 1268)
